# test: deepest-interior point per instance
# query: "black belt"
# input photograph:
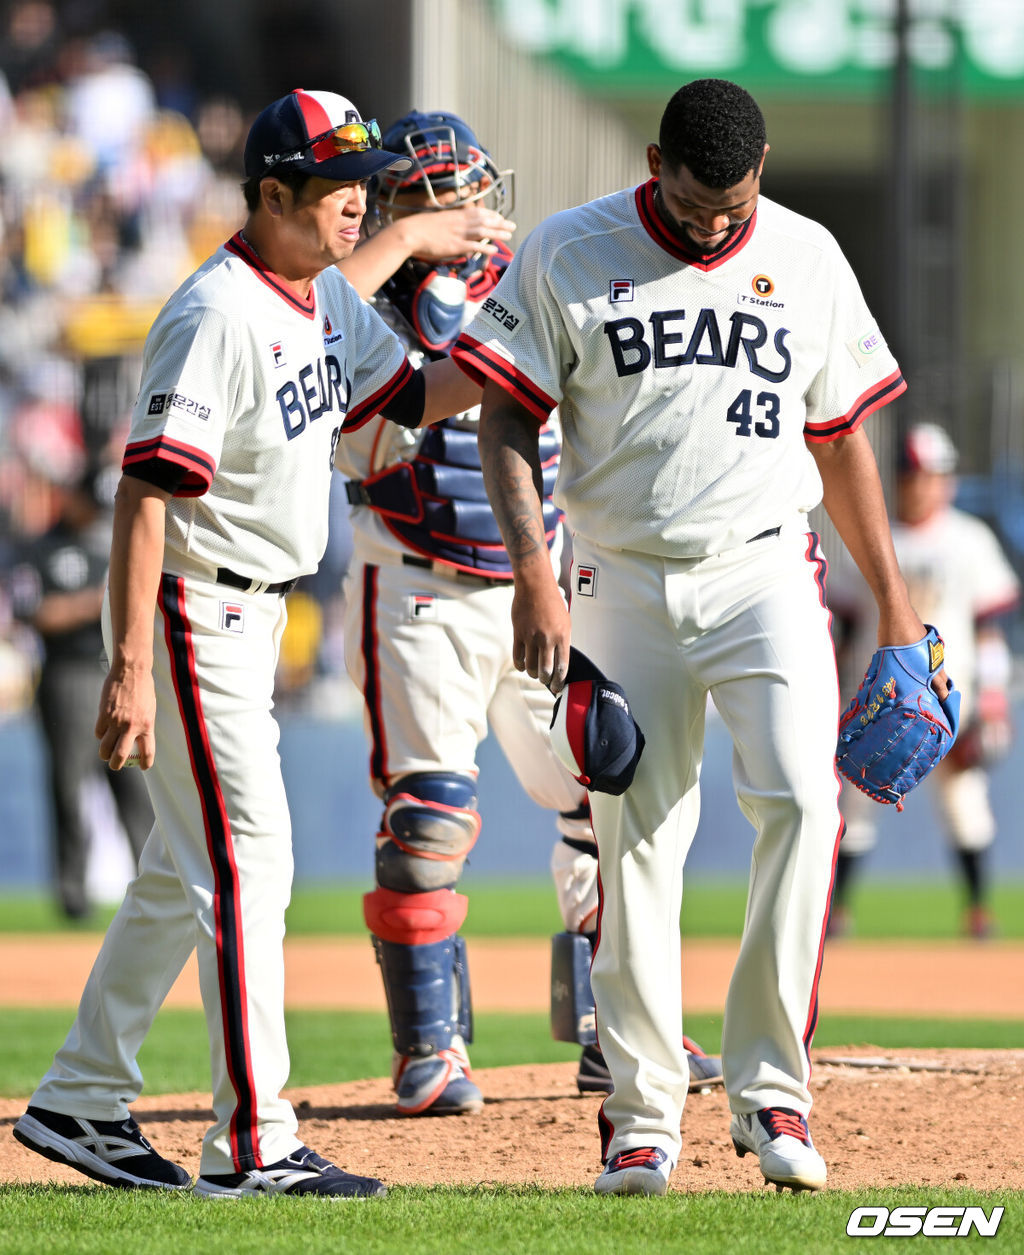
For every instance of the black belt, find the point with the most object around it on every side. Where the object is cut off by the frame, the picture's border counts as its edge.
(233, 580)
(444, 568)
(769, 531)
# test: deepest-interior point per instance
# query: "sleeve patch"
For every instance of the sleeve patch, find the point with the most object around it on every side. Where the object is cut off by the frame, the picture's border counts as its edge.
(864, 347)
(502, 315)
(179, 404)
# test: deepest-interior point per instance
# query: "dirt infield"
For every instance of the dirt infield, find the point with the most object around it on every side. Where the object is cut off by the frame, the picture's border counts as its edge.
(930, 1117)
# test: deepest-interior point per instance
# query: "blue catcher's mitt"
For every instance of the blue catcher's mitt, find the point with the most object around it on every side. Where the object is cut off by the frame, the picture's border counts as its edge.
(897, 728)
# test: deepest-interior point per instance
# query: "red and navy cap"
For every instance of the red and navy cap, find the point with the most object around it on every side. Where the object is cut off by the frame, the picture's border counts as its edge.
(297, 132)
(927, 447)
(593, 731)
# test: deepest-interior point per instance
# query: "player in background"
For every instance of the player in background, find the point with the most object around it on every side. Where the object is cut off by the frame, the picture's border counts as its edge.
(428, 597)
(712, 360)
(959, 577)
(251, 374)
(57, 587)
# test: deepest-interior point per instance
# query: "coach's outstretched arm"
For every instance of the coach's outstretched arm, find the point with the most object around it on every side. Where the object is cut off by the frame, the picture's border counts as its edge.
(128, 701)
(509, 453)
(436, 236)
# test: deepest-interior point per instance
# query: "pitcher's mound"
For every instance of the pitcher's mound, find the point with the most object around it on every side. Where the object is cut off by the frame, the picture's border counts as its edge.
(928, 1117)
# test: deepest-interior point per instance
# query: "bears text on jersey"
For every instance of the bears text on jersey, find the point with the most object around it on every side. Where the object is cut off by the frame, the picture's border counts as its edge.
(705, 345)
(320, 388)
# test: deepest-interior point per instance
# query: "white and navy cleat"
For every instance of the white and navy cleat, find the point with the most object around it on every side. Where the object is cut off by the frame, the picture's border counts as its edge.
(645, 1170)
(438, 1085)
(112, 1151)
(782, 1142)
(301, 1172)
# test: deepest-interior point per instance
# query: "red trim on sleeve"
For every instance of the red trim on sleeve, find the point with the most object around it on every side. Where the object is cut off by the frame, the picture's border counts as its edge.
(199, 466)
(481, 363)
(873, 399)
(360, 414)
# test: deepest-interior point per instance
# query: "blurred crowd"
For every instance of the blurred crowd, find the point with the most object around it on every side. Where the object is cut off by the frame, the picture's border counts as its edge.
(114, 185)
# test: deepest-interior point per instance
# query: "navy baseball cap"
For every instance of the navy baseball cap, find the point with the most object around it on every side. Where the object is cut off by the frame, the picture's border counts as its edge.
(593, 731)
(319, 133)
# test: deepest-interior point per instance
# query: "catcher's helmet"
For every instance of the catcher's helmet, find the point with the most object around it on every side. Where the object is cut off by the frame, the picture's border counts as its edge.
(446, 156)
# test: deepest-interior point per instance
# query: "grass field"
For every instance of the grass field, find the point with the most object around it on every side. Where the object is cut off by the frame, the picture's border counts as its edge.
(527, 908)
(90, 1220)
(446, 1221)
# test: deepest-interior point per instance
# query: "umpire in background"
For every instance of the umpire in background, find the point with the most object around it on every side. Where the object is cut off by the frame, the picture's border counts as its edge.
(57, 589)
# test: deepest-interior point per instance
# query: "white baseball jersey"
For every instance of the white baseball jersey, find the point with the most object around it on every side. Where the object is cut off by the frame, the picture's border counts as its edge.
(687, 389)
(684, 391)
(248, 389)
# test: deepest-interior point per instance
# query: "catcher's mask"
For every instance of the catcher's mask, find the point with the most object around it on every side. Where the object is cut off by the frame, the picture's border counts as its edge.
(446, 156)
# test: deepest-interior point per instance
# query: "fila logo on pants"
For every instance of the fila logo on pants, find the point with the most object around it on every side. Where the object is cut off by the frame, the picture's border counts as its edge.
(232, 617)
(586, 581)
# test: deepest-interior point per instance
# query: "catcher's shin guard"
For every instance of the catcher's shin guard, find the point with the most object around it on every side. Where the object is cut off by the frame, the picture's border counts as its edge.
(572, 1001)
(427, 990)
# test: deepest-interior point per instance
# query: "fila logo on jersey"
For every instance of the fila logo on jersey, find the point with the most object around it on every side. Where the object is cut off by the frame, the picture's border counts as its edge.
(708, 344)
(586, 581)
(277, 353)
(620, 290)
(232, 617)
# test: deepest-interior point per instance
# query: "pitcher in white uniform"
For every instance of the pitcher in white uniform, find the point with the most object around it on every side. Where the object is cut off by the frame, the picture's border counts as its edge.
(251, 374)
(712, 360)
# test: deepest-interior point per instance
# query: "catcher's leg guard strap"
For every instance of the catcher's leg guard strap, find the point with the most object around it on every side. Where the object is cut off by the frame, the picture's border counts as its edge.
(427, 989)
(414, 919)
(423, 965)
(572, 1002)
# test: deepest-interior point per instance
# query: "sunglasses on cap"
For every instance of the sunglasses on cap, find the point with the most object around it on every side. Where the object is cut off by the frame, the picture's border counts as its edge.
(352, 137)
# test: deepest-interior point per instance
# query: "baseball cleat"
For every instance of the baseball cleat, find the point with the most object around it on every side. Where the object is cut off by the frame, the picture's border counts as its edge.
(302, 1172)
(782, 1142)
(979, 924)
(112, 1151)
(439, 1085)
(593, 1077)
(645, 1170)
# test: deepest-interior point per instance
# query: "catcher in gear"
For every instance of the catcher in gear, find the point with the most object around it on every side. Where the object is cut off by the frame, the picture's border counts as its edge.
(960, 579)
